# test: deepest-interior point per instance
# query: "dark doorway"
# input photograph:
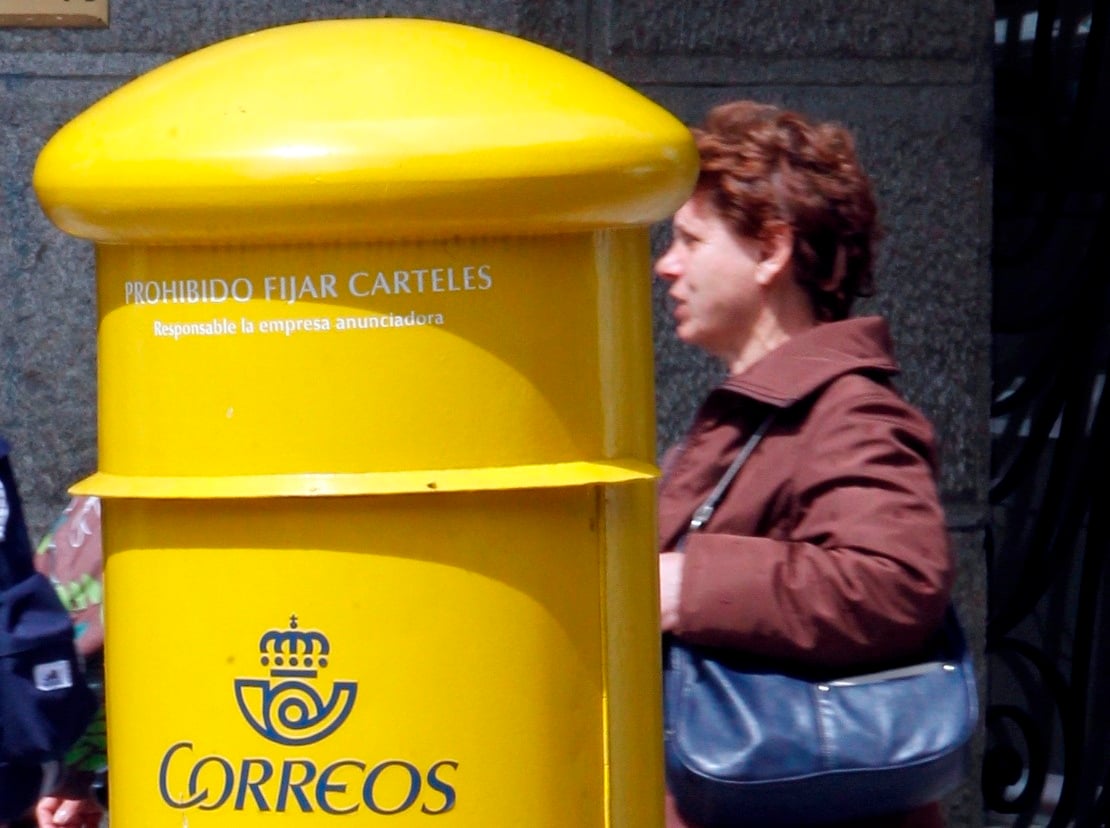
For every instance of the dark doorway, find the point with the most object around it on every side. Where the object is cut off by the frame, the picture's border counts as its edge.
(1047, 759)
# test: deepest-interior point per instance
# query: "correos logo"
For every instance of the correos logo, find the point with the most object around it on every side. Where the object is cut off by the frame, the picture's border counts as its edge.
(292, 708)
(285, 708)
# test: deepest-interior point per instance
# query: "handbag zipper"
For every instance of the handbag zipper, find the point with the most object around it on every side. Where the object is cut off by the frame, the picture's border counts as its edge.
(888, 675)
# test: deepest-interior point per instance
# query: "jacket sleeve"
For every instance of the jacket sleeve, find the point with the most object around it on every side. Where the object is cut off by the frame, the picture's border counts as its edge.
(858, 568)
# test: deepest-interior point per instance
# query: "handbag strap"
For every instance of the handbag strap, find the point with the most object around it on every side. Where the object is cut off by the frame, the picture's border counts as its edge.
(704, 512)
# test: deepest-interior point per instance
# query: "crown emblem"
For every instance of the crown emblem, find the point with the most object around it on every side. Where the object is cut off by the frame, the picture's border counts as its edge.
(294, 652)
(286, 708)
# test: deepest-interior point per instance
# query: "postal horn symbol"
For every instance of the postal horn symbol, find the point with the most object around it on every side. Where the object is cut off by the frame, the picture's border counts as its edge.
(292, 712)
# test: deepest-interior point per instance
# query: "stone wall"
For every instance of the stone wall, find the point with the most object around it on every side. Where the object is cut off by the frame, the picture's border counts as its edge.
(911, 78)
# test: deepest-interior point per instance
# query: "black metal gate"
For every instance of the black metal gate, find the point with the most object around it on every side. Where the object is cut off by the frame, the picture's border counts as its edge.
(1047, 759)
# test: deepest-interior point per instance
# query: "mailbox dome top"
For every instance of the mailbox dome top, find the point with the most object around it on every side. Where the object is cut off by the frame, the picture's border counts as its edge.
(363, 130)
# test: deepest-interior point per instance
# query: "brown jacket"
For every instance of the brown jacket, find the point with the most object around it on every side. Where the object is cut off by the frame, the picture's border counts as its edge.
(830, 547)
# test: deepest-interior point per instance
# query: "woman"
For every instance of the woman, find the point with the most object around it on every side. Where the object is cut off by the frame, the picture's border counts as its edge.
(830, 547)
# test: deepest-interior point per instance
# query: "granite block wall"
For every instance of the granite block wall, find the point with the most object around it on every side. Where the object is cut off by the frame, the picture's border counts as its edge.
(911, 78)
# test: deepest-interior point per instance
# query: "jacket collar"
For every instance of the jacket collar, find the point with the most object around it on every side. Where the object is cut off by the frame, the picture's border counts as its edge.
(811, 360)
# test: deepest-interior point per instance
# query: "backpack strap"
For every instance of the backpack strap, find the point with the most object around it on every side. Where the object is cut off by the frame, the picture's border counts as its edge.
(16, 554)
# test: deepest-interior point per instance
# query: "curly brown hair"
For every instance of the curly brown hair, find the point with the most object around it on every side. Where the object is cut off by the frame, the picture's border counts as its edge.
(763, 166)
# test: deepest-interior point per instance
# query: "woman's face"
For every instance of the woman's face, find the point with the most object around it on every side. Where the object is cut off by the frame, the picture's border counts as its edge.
(712, 272)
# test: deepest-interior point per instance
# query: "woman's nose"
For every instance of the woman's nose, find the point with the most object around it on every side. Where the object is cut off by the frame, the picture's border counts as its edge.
(666, 267)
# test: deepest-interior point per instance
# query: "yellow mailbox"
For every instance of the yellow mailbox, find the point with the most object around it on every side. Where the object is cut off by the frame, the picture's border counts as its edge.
(376, 429)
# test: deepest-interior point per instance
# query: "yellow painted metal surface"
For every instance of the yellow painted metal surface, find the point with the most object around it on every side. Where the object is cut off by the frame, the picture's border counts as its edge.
(376, 429)
(362, 364)
(359, 129)
(468, 645)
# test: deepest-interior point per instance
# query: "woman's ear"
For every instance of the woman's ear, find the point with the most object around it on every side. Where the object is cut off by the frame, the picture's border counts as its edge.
(776, 250)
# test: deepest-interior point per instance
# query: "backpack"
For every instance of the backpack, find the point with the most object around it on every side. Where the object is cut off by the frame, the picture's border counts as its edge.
(45, 703)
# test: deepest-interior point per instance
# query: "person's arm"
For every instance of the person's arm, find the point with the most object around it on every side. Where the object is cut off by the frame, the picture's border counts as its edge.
(70, 555)
(865, 571)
